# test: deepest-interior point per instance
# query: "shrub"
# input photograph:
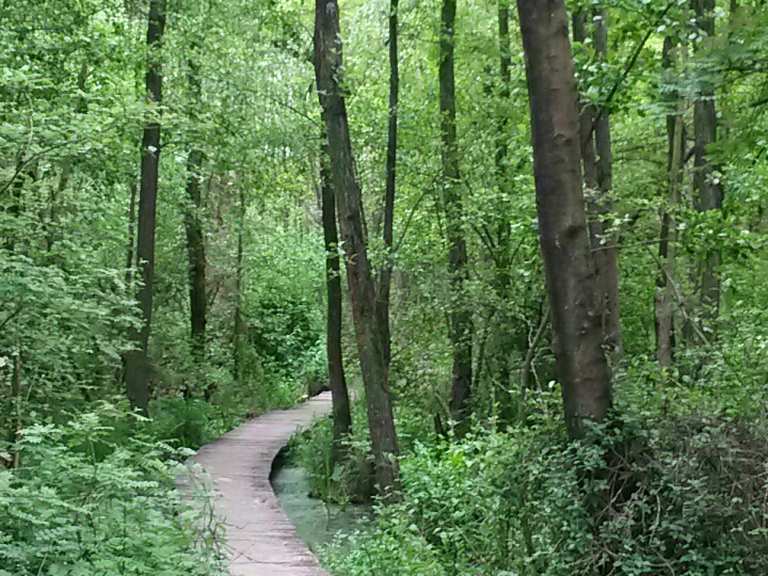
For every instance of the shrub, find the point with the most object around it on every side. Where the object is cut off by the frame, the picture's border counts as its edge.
(68, 512)
(637, 497)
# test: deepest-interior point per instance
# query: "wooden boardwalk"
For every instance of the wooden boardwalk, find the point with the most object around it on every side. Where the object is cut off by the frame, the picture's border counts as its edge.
(260, 539)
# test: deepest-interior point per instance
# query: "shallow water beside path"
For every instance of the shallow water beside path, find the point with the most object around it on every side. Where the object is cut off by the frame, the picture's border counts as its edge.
(316, 522)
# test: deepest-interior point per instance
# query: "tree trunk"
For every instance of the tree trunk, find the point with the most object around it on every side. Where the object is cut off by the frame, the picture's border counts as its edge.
(582, 368)
(137, 369)
(129, 252)
(342, 418)
(460, 312)
(664, 304)
(596, 158)
(385, 275)
(607, 258)
(362, 289)
(239, 325)
(708, 192)
(502, 259)
(194, 228)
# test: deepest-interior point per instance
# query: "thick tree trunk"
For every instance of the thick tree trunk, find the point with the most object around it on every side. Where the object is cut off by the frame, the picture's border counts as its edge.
(582, 367)
(385, 275)
(342, 418)
(460, 312)
(362, 289)
(708, 192)
(137, 369)
(665, 302)
(194, 229)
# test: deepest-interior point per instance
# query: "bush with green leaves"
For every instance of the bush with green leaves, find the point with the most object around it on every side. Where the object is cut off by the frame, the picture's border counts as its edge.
(81, 505)
(636, 497)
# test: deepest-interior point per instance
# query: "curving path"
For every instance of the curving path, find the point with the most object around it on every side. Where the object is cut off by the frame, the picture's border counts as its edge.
(261, 541)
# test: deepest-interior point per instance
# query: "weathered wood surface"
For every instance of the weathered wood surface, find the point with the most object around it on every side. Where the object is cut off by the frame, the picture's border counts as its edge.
(260, 539)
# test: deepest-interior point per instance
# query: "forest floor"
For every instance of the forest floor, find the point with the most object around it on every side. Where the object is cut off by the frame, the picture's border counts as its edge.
(260, 539)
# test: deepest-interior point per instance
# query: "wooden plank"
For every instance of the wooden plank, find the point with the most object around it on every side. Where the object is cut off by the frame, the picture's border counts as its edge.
(260, 539)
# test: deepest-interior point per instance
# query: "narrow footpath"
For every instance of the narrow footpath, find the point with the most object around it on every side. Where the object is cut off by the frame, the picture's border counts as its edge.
(261, 541)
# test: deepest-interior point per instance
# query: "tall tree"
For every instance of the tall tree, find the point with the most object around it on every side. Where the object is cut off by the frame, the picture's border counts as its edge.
(460, 313)
(665, 287)
(192, 218)
(607, 257)
(137, 367)
(385, 275)
(582, 367)
(360, 280)
(503, 250)
(342, 418)
(239, 327)
(708, 191)
(597, 160)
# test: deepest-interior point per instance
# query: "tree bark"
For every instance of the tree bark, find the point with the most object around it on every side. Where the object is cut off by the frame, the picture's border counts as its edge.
(129, 251)
(502, 258)
(137, 369)
(596, 158)
(239, 325)
(664, 303)
(194, 228)
(582, 367)
(342, 418)
(607, 258)
(708, 192)
(460, 313)
(362, 289)
(385, 275)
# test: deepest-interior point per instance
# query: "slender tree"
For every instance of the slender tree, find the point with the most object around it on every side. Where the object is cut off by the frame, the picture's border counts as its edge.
(385, 275)
(362, 288)
(708, 191)
(460, 312)
(238, 324)
(665, 287)
(137, 367)
(342, 418)
(607, 256)
(597, 159)
(503, 250)
(192, 220)
(582, 367)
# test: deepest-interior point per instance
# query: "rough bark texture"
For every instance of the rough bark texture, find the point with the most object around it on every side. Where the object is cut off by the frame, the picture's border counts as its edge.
(362, 289)
(137, 368)
(194, 231)
(708, 192)
(385, 275)
(582, 368)
(460, 312)
(342, 419)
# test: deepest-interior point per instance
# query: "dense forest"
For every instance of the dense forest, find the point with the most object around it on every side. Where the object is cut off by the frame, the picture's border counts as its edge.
(524, 245)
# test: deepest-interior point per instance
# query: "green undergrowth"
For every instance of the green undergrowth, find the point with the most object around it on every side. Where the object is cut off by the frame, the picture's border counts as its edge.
(653, 491)
(88, 499)
(636, 498)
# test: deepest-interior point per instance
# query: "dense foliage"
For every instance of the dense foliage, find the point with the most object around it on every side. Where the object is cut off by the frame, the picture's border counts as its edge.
(672, 482)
